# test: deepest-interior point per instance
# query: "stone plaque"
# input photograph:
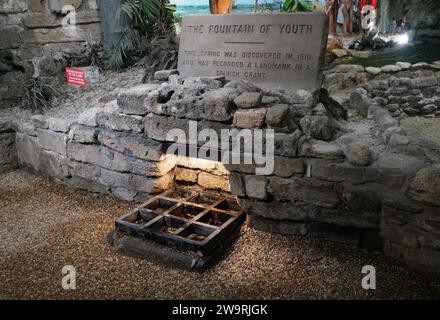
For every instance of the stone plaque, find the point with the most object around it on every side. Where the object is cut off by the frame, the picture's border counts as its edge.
(270, 50)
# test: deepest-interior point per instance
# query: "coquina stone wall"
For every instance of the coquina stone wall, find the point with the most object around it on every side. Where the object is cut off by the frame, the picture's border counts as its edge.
(326, 182)
(32, 39)
(346, 76)
(8, 152)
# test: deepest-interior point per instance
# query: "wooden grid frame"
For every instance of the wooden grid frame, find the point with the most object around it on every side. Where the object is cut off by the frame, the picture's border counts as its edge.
(188, 219)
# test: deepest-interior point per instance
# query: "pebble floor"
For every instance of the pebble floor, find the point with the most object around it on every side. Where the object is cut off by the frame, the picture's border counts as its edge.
(45, 226)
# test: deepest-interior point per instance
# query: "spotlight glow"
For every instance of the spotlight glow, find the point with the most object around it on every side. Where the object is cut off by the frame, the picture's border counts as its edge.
(402, 39)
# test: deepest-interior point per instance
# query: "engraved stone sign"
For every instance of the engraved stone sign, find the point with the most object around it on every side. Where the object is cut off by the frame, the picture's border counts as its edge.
(270, 50)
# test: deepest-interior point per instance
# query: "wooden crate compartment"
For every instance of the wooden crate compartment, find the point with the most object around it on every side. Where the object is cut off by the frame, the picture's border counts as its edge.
(160, 205)
(195, 223)
(139, 217)
(186, 211)
(167, 225)
(196, 232)
(228, 204)
(215, 218)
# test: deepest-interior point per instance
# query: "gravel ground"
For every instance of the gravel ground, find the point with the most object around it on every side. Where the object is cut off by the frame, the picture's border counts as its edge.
(45, 225)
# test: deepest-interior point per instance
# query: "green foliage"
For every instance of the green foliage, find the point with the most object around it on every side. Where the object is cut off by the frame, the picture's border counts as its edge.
(39, 94)
(159, 53)
(422, 11)
(297, 6)
(419, 13)
(141, 20)
(91, 55)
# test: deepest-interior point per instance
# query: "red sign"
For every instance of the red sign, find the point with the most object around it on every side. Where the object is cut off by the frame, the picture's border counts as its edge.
(76, 77)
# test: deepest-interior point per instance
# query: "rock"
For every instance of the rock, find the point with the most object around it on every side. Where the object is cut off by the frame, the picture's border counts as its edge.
(287, 144)
(157, 127)
(57, 5)
(187, 175)
(321, 149)
(360, 54)
(277, 210)
(135, 182)
(115, 161)
(431, 148)
(392, 107)
(306, 190)
(269, 100)
(403, 65)
(340, 53)
(217, 104)
(52, 141)
(425, 187)
(40, 122)
(320, 110)
(210, 83)
(242, 86)
(286, 167)
(318, 127)
(347, 68)
(256, 186)
(132, 101)
(381, 85)
(53, 164)
(380, 101)
(420, 65)
(386, 135)
(211, 181)
(338, 172)
(236, 184)
(359, 154)
(391, 68)
(184, 102)
(398, 140)
(359, 101)
(251, 118)
(384, 119)
(278, 116)
(131, 145)
(59, 125)
(302, 97)
(159, 96)
(88, 117)
(164, 75)
(248, 100)
(175, 80)
(424, 82)
(394, 169)
(373, 70)
(26, 128)
(83, 134)
(109, 117)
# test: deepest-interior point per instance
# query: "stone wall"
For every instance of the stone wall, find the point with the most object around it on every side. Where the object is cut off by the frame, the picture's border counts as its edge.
(389, 101)
(8, 153)
(34, 41)
(406, 96)
(346, 76)
(326, 182)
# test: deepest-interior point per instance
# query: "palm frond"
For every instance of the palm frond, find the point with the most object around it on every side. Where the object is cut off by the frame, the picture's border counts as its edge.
(143, 19)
